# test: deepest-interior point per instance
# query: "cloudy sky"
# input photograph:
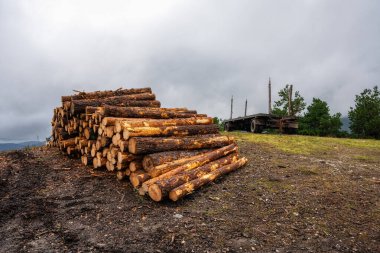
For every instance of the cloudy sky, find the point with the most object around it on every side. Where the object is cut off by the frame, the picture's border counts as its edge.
(193, 54)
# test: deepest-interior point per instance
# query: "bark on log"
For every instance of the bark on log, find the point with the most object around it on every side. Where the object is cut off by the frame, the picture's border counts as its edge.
(123, 157)
(161, 188)
(144, 145)
(189, 187)
(128, 123)
(159, 174)
(170, 131)
(146, 112)
(155, 159)
(138, 100)
(138, 177)
(107, 93)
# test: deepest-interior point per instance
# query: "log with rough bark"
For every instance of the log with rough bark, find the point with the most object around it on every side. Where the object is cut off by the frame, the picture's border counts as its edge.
(161, 174)
(143, 122)
(107, 93)
(123, 157)
(161, 188)
(137, 100)
(189, 187)
(170, 131)
(145, 145)
(138, 177)
(143, 112)
(155, 159)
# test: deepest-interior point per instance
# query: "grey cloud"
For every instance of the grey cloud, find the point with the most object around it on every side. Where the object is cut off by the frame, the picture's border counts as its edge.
(193, 54)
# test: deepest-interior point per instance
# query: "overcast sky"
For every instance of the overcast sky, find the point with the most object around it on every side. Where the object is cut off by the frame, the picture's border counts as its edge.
(193, 54)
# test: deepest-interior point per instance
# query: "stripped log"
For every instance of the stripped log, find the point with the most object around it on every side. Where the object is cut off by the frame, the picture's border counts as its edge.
(189, 187)
(142, 122)
(161, 188)
(160, 174)
(144, 145)
(170, 131)
(147, 112)
(107, 93)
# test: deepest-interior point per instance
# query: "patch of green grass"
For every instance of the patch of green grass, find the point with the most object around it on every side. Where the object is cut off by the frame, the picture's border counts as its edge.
(308, 171)
(364, 158)
(300, 144)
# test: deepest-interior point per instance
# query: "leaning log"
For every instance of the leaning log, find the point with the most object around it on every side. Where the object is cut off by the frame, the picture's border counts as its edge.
(161, 188)
(189, 187)
(144, 145)
(195, 163)
(170, 131)
(155, 159)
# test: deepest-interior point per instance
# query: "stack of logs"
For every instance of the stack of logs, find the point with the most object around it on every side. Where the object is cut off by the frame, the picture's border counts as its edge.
(165, 152)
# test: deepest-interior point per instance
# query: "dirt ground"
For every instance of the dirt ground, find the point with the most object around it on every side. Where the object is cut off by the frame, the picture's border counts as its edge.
(279, 202)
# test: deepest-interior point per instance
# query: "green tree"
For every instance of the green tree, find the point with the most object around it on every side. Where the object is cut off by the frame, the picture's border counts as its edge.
(218, 122)
(318, 121)
(365, 117)
(281, 106)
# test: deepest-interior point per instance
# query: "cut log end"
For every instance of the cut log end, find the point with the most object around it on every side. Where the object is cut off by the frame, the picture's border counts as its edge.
(155, 193)
(132, 145)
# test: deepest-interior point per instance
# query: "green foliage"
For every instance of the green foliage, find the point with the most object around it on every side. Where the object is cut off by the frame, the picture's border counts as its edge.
(318, 121)
(281, 106)
(365, 117)
(218, 122)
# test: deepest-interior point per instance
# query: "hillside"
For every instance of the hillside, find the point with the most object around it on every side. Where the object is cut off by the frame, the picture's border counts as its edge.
(298, 194)
(13, 146)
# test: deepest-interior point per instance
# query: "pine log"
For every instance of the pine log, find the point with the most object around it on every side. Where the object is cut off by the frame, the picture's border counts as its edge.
(135, 165)
(160, 174)
(123, 145)
(128, 123)
(123, 157)
(87, 160)
(170, 131)
(189, 187)
(155, 159)
(115, 139)
(161, 188)
(137, 100)
(138, 177)
(106, 93)
(146, 112)
(144, 145)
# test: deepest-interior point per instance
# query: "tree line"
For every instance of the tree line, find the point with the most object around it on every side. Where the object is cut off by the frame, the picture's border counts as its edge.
(316, 119)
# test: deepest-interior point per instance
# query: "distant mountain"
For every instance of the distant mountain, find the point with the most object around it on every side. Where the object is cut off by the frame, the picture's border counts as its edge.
(12, 146)
(346, 124)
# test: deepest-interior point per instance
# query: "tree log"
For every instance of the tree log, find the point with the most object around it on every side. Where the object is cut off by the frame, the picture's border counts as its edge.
(161, 188)
(106, 93)
(138, 177)
(144, 145)
(128, 123)
(145, 112)
(189, 187)
(155, 159)
(138, 100)
(160, 174)
(135, 165)
(170, 131)
(123, 157)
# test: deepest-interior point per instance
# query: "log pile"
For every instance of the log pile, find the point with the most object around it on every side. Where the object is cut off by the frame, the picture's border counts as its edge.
(164, 152)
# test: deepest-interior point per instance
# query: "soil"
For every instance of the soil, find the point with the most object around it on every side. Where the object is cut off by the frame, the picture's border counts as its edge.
(279, 202)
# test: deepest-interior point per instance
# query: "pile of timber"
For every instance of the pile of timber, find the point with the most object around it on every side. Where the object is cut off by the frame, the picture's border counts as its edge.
(165, 152)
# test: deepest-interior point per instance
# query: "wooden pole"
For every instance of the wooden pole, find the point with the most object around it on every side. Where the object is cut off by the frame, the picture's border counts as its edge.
(269, 97)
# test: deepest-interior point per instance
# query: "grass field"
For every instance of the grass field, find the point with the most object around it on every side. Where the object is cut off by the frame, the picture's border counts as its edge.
(311, 145)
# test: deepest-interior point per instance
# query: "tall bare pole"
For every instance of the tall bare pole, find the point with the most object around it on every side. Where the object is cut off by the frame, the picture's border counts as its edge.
(269, 97)
(290, 94)
(245, 110)
(232, 104)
